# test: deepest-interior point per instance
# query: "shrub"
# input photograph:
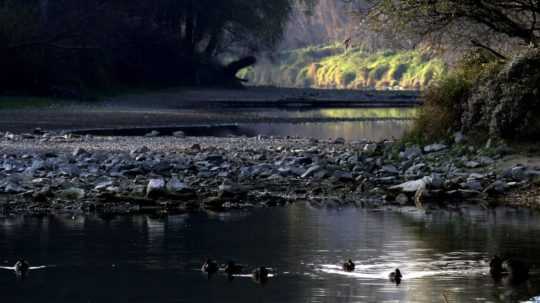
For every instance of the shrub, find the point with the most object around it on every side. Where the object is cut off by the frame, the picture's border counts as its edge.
(445, 99)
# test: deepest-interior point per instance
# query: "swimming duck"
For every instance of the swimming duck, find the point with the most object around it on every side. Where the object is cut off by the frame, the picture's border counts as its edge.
(260, 275)
(349, 266)
(515, 270)
(495, 266)
(21, 267)
(395, 276)
(233, 269)
(210, 267)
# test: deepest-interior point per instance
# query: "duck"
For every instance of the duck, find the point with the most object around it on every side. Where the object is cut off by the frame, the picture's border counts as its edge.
(231, 268)
(210, 267)
(395, 276)
(260, 275)
(21, 267)
(514, 270)
(349, 266)
(495, 266)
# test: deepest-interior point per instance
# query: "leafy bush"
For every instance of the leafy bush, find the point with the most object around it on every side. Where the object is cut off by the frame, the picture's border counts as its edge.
(331, 66)
(444, 100)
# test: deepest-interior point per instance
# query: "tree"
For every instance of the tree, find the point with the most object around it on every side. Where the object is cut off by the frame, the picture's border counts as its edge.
(474, 20)
(88, 43)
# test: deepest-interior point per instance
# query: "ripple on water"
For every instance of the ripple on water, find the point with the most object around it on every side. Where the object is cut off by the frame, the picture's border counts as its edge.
(451, 267)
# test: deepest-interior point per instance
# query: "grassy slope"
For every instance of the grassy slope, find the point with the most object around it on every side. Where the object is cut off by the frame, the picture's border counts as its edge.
(332, 67)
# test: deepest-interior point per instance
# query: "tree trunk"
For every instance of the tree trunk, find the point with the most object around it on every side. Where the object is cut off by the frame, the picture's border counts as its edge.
(190, 26)
(213, 43)
(44, 11)
(234, 67)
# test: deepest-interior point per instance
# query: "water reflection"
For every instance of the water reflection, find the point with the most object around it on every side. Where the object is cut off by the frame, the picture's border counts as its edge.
(348, 123)
(144, 259)
(357, 130)
(335, 113)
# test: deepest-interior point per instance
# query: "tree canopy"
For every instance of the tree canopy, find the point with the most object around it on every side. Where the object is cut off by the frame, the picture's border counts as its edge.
(479, 21)
(82, 43)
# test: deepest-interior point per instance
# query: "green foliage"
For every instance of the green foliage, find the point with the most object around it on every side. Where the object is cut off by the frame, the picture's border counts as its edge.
(330, 66)
(458, 22)
(441, 114)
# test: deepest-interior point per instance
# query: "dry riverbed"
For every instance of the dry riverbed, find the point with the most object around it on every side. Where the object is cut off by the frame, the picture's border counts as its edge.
(45, 172)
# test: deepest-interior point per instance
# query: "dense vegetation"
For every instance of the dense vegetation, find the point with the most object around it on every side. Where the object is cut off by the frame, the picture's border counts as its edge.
(67, 47)
(331, 66)
(493, 91)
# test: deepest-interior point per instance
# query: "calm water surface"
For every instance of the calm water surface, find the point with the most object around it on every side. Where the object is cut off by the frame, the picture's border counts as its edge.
(350, 123)
(139, 259)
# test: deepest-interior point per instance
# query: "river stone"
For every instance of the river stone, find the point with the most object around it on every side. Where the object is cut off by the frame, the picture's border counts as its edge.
(103, 185)
(153, 133)
(10, 136)
(339, 141)
(229, 187)
(517, 172)
(486, 160)
(13, 188)
(472, 164)
(162, 167)
(340, 175)
(390, 169)
(312, 170)
(79, 152)
(155, 188)
(370, 148)
(459, 138)
(473, 184)
(140, 150)
(434, 148)
(436, 181)
(496, 187)
(402, 199)
(179, 134)
(176, 186)
(70, 170)
(215, 158)
(412, 186)
(72, 193)
(411, 152)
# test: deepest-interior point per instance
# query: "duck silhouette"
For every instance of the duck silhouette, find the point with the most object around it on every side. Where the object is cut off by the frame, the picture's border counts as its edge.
(21, 268)
(509, 269)
(210, 267)
(260, 275)
(349, 266)
(395, 276)
(231, 269)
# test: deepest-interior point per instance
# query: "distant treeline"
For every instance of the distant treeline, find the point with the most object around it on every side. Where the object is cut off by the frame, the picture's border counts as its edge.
(333, 66)
(68, 47)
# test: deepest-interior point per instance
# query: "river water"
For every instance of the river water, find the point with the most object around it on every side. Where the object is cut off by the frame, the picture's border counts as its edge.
(348, 123)
(326, 123)
(139, 259)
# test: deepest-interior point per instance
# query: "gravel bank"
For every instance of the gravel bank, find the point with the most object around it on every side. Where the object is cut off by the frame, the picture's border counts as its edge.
(48, 172)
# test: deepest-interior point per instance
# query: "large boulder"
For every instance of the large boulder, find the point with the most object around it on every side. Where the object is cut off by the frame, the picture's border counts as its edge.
(506, 104)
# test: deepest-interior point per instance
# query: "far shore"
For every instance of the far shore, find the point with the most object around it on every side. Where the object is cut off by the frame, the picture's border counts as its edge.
(186, 107)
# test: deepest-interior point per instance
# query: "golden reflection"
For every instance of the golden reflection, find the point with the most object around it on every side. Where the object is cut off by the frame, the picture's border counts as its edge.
(369, 113)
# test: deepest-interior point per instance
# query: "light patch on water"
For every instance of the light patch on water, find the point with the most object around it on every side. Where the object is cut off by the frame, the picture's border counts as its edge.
(447, 269)
(251, 276)
(30, 268)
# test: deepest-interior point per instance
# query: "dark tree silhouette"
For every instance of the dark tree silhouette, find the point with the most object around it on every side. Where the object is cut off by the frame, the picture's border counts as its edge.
(68, 46)
(474, 19)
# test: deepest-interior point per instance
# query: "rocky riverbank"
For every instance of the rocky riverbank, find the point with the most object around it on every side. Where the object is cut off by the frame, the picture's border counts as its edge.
(44, 172)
